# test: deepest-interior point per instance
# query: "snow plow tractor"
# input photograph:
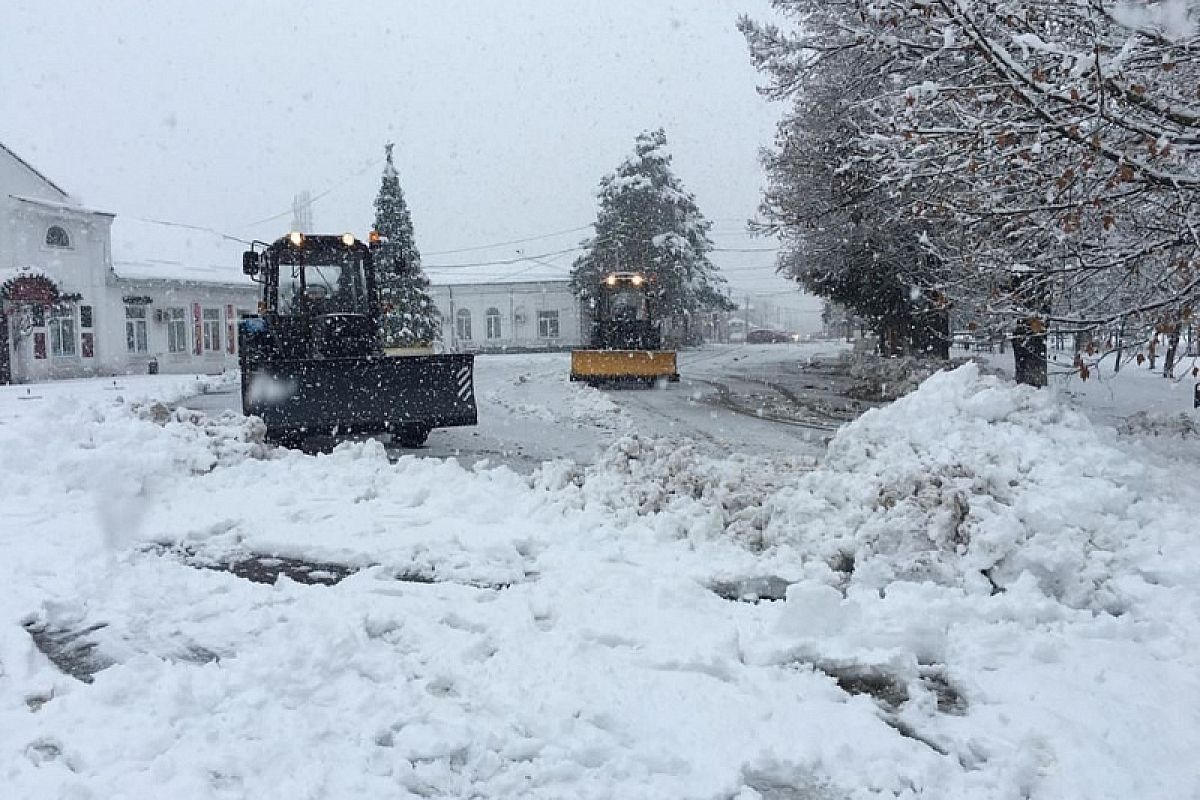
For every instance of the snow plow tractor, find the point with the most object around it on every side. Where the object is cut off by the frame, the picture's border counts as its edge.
(626, 343)
(313, 362)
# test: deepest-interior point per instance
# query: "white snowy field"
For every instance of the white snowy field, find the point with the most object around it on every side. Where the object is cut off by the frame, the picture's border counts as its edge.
(987, 596)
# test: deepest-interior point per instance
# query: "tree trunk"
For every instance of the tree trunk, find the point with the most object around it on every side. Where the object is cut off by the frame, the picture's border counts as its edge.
(931, 334)
(890, 338)
(940, 330)
(1029, 355)
(1172, 349)
(1153, 351)
(1120, 346)
(1083, 343)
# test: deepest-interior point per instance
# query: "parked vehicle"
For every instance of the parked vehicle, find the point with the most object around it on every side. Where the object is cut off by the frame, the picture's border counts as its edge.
(768, 336)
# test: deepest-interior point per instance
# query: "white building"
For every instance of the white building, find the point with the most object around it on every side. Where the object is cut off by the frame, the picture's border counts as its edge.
(497, 315)
(82, 293)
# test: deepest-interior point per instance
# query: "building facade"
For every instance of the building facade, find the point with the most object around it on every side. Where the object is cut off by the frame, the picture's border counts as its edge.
(509, 316)
(69, 309)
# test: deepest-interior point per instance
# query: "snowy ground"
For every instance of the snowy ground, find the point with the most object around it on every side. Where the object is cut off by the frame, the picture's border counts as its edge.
(975, 592)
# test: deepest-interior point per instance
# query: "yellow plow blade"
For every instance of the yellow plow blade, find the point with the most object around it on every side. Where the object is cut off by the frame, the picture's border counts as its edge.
(621, 365)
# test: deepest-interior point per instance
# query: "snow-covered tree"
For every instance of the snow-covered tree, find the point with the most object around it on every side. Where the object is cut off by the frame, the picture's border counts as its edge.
(1051, 147)
(840, 240)
(648, 222)
(410, 317)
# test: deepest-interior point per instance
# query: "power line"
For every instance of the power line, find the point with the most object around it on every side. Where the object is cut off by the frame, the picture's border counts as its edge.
(358, 173)
(502, 262)
(512, 241)
(203, 228)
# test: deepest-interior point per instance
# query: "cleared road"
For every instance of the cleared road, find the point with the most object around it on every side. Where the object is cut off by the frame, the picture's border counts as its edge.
(781, 400)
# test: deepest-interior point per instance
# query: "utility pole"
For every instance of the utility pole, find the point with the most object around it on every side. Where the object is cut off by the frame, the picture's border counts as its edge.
(302, 212)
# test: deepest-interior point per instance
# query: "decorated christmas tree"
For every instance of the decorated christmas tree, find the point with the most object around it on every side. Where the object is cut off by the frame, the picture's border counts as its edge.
(410, 317)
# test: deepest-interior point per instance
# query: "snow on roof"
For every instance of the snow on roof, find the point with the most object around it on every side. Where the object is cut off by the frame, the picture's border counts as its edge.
(146, 250)
(520, 272)
(60, 206)
(34, 170)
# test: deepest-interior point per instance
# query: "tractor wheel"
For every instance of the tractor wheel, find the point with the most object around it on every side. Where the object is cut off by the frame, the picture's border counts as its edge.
(412, 437)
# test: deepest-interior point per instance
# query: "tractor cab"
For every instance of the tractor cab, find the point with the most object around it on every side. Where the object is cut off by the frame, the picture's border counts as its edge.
(335, 284)
(319, 297)
(624, 315)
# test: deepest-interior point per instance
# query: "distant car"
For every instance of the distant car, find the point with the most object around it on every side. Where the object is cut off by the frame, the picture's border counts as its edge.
(767, 336)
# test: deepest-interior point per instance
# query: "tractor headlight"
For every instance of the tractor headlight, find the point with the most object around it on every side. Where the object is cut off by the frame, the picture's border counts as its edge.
(637, 280)
(348, 239)
(611, 280)
(296, 238)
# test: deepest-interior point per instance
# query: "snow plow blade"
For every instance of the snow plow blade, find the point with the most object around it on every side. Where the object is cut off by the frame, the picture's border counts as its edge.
(404, 395)
(601, 366)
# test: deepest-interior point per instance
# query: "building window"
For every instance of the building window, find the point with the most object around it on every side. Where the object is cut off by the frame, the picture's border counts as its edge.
(85, 317)
(56, 236)
(135, 329)
(212, 330)
(62, 331)
(463, 323)
(493, 323)
(548, 324)
(177, 330)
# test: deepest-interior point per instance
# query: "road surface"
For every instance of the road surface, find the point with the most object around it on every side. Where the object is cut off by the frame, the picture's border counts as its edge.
(782, 400)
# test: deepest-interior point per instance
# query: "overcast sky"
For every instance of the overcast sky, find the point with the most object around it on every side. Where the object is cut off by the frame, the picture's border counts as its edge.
(505, 113)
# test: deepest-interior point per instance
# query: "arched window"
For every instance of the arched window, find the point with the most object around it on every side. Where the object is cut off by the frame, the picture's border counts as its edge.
(463, 324)
(493, 323)
(56, 236)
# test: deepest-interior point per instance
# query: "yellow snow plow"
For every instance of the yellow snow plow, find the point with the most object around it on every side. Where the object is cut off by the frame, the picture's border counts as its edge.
(598, 366)
(626, 343)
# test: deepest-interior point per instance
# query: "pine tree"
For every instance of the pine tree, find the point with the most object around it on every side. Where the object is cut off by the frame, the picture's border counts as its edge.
(410, 317)
(647, 222)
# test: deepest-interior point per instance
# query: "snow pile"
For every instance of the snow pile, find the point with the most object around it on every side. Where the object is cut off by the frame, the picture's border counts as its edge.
(132, 443)
(685, 494)
(971, 483)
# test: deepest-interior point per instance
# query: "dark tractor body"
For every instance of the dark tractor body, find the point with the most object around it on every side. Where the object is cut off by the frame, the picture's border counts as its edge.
(313, 362)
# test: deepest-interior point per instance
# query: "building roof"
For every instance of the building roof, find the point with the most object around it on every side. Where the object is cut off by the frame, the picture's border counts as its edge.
(147, 250)
(517, 272)
(32, 169)
(63, 206)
